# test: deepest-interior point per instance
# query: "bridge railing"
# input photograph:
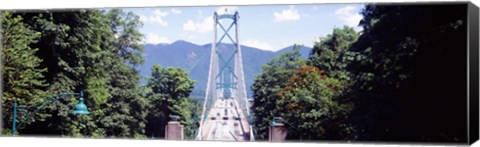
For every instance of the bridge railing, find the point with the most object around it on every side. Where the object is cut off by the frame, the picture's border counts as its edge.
(210, 92)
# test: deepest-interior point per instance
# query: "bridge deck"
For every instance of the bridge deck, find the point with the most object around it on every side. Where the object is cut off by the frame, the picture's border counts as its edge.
(225, 122)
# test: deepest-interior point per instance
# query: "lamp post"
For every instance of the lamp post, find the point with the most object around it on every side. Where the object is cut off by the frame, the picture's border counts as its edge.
(277, 131)
(79, 109)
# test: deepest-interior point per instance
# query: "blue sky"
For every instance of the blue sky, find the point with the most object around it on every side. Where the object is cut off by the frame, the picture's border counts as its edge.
(268, 27)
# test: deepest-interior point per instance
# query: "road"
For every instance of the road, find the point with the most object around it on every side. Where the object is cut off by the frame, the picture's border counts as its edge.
(225, 122)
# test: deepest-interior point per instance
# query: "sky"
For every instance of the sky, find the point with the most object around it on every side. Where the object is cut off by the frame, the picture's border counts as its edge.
(267, 27)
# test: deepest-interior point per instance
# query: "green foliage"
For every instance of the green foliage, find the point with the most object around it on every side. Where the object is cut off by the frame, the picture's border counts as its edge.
(400, 92)
(127, 108)
(23, 79)
(95, 52)
(188, 110)
(386, 84)
(168, 94)
(310, 106)
(268, 84)
(92, 51)
(127, 38)
(331, 53)
(69, 44)
(310, 98)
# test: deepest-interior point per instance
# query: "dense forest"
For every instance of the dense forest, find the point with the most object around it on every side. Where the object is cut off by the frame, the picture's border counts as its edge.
(398, 79)
(95, 51)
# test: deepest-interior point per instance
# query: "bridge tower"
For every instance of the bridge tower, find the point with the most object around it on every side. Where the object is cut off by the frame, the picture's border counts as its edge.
(226, 83)
(226, 77)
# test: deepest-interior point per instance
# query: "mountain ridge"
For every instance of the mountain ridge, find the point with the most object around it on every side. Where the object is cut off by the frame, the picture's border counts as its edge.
(195, 60)
(209, 45)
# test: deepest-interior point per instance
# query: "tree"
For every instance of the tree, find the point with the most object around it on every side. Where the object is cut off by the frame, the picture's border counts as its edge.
(268, 84)
(401, 93)
(168, 93)
(310, 106)
(189, 110)
(332, 55)
(23, 79)
(73, 45)
(126, 108)
(93, 51)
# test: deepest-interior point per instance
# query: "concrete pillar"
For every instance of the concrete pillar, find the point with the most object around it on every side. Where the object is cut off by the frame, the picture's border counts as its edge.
(174, 131)
(277, 132)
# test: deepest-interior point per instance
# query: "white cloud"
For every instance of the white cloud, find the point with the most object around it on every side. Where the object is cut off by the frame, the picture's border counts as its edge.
(175, 11)
(258, 44)
(156, 39)
(157, 18)
(202, 26)
(188, 36)
(191, 37)
(349, 15)
(200, 14)
(286, 15)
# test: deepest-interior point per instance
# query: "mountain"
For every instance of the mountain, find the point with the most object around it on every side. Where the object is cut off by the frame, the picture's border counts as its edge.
(195, 60)
(305, 51)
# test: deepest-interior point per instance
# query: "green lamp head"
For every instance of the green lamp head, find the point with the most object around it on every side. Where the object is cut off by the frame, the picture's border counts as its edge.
(174, 117)
(81, 108)
(276, 120)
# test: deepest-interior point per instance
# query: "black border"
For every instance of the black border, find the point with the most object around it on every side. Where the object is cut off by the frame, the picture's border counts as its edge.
(473, 38)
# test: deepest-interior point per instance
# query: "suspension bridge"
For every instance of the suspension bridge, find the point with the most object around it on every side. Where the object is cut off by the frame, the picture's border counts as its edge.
(225, 115)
